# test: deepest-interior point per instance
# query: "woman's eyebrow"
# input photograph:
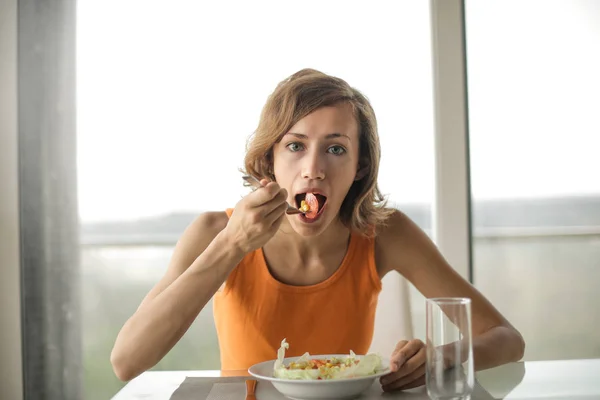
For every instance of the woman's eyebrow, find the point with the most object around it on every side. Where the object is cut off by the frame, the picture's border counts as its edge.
(328, 136)
(298, 135)
(337, 135)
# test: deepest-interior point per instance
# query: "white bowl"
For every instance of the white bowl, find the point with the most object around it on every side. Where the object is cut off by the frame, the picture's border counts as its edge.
(347, 388)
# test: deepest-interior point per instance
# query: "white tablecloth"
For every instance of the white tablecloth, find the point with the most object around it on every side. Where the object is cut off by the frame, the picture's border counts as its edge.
(568, 380)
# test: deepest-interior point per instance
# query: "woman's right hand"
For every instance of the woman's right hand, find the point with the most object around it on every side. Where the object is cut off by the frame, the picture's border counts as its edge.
(257, 217)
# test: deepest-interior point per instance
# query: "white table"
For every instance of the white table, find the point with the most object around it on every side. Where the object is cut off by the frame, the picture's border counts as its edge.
(568, 379)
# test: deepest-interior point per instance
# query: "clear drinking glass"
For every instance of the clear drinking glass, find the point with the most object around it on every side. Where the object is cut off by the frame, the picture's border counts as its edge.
(449, 368)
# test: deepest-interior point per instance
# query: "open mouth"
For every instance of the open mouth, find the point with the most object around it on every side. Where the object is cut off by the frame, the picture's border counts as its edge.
(311, 203)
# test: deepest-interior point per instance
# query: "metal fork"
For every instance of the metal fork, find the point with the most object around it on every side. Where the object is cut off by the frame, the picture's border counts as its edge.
(255, 183)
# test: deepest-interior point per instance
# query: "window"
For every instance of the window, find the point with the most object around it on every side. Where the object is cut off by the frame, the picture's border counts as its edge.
(534, 95)
(168, 93)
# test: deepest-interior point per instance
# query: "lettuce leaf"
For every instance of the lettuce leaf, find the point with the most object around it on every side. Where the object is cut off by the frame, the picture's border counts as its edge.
(369, 364)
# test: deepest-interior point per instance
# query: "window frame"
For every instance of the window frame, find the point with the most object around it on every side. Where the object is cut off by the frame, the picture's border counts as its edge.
(452, 201)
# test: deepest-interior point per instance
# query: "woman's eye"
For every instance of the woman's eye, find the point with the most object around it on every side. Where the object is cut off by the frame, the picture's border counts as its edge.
(336, 150)
(294, 146)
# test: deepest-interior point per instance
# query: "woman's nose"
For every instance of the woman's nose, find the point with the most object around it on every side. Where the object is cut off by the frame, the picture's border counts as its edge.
(313, 168)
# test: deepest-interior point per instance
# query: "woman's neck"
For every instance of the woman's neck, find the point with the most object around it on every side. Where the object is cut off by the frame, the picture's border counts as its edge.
(335, 236)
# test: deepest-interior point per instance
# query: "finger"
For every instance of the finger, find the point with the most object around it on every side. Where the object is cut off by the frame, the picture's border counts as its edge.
(406, 380)
(395, 355)
(257, 185)
(275, 226)
(411, 365)
(416, 361)
(416, 383)
(264, 194)
(277, 213)
(410, 380)
(273, 204)
(404, 352)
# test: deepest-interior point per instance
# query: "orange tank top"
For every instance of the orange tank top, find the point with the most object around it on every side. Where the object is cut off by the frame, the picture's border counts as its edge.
(255, 312)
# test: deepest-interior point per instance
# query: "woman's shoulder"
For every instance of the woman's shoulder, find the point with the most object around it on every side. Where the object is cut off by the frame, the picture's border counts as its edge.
(208, 224)
(200, 233)
(393, 238)
(396, 224)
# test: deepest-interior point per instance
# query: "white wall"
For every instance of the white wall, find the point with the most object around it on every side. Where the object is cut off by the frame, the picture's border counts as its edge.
(10, 317)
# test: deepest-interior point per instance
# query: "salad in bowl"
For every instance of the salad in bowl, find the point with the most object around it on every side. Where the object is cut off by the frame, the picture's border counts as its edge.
(324, 368)
(325, 376)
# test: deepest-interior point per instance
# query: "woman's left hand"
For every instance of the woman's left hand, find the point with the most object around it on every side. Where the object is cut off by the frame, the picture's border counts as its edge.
(407, 364)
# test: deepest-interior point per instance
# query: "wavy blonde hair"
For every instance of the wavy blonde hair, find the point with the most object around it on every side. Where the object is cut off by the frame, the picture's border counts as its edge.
(364, 207)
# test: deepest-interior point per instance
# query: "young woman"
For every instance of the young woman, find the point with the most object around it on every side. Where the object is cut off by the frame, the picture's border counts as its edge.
(311, 278)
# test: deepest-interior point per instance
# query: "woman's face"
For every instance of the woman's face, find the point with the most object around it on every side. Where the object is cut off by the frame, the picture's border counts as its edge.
(317, 161)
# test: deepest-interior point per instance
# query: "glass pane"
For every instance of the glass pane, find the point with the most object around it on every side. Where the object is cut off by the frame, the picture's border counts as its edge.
(168, 93)
(534, 96)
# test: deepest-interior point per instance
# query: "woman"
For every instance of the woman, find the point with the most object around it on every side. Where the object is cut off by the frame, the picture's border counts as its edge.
(314, 278)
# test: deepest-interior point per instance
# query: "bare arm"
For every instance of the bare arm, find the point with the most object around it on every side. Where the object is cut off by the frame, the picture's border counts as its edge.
(404, 247)
(201, 262)
(208, 251)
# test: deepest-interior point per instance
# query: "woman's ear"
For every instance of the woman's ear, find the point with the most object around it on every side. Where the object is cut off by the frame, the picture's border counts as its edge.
(361, 171)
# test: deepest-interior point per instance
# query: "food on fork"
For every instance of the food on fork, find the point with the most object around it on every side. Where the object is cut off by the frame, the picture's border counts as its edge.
(310, 204)
(320, 368)
(304, 207)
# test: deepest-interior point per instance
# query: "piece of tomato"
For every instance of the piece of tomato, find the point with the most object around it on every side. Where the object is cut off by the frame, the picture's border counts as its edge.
(313, 203)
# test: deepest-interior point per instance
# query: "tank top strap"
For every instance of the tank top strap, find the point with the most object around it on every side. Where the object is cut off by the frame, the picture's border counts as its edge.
(365, 255)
